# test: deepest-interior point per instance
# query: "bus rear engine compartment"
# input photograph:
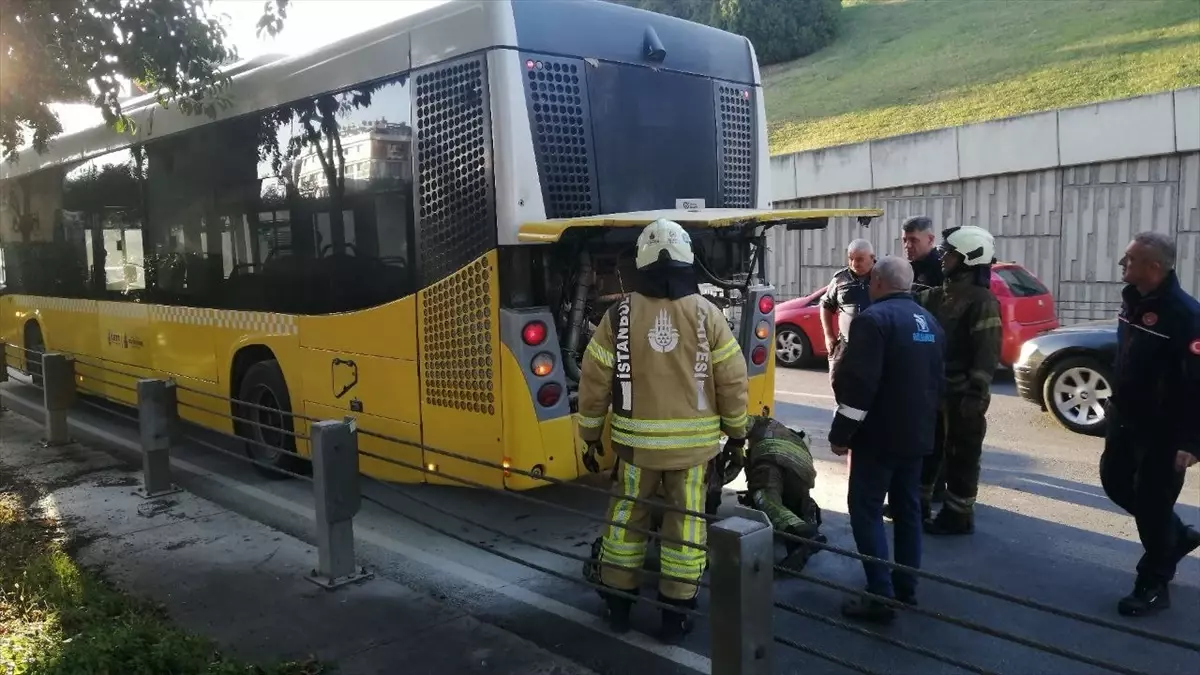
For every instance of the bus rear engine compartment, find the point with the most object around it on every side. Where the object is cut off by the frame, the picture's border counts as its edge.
(585, 277)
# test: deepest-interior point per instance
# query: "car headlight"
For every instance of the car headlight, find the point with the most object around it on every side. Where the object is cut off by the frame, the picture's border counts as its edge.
(1028, 348)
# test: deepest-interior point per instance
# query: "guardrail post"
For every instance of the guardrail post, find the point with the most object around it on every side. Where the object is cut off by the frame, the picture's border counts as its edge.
(742, 555)
(337, 497)
(3, 370)
(58, 388)
(157, 422)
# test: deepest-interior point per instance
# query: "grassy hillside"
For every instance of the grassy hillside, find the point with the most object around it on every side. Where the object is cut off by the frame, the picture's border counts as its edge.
(902, 66)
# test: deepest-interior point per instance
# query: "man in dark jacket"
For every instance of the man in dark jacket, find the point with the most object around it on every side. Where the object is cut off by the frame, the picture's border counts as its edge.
(1153, 432)
(917, 238)
(887, 388)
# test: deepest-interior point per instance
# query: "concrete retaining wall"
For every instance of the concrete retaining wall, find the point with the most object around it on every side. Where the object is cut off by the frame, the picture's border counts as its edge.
(1062, 191)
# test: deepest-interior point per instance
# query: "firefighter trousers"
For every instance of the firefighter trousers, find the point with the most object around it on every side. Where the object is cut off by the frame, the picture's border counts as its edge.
(781, 496)
(957, 451)
(623, 551)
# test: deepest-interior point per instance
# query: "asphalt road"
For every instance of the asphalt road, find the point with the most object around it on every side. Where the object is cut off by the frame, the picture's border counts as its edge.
(1045, 532)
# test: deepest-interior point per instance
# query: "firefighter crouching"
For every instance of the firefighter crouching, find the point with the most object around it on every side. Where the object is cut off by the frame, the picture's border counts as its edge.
(779, 480)
(667, 363)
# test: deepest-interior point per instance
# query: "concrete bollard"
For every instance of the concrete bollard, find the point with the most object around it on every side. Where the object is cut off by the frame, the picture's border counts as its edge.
(157, 423)
(337, 496)
(58, 389)
(742, 556)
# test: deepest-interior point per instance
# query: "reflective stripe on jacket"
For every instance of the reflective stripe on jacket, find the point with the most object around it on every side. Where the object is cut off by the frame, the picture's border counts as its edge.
(674, 377)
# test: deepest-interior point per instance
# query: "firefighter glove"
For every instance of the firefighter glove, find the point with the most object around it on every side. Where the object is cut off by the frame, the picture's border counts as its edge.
(589, 456)
(732, 459)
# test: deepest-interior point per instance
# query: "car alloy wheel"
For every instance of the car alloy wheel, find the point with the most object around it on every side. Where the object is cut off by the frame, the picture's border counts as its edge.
(1079, 394)
(790, 347)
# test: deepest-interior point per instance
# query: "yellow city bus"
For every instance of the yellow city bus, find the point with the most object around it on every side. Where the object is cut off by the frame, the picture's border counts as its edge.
(417, 226)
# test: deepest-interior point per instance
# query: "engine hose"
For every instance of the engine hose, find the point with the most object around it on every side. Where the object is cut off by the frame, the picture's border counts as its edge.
(719, 283)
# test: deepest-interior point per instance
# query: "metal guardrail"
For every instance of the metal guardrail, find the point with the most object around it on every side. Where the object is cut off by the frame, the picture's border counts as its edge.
(740, 549)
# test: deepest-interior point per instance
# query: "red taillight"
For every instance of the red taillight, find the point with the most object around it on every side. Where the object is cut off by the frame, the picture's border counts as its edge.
(766, 304)
(759, 355)
(549, 394)
(534, 333)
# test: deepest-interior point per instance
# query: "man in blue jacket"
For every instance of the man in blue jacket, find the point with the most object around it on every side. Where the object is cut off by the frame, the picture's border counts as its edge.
(1153, 432)
(887, 385)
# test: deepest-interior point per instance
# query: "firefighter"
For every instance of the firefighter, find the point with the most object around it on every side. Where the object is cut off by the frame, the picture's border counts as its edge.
(970, 318)
(779, 480)
(1153, 435)
(666, 362)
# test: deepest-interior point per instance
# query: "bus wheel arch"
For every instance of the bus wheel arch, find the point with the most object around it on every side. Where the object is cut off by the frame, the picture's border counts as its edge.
(257, 379)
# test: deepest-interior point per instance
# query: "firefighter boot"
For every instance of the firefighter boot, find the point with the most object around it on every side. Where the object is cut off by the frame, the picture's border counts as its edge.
(676, 624)
(1147, 597)
(950, 522)
(798, 554)
(617, 610)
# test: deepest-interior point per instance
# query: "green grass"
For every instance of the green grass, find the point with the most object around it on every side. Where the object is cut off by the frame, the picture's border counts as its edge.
(57, 618)
(902, 66)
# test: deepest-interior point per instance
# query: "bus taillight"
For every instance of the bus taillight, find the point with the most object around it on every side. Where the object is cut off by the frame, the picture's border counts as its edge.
(759, 355)
(534, 333)
(548, 395)
(766, 304)
(542, 364)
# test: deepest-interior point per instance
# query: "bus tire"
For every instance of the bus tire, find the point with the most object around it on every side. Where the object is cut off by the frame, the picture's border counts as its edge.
(35, 346)
(263, 386)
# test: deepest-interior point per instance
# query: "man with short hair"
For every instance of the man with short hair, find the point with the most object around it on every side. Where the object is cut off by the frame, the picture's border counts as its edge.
(888, 387)
(917, 239)
(1153, 432)
(846, 296)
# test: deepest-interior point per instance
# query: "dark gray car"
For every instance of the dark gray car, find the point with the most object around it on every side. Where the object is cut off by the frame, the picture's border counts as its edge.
(1068, 371)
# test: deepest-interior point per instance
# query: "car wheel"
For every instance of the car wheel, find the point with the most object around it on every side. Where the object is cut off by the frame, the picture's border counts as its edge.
(792, 348)
(1075, 392)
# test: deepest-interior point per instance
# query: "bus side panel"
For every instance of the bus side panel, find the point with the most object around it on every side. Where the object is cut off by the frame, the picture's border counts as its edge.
(459, 333)
(124, 345)
(381, 393)
(67, 325)
(762, 391)
(182, 341)
(549, 443)
(377, 468)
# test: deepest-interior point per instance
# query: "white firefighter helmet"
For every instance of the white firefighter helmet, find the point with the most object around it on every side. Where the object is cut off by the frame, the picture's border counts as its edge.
(664, 236)
(974, 244)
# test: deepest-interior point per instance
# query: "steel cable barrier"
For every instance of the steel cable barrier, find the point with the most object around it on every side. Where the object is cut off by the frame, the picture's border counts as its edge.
(737, 587)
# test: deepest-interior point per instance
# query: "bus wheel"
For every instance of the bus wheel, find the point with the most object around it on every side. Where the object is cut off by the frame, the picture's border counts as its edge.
(268, 431)
(35, 346)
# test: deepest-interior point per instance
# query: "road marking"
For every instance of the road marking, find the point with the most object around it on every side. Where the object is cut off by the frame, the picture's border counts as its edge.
(683, 657)
(784, 392)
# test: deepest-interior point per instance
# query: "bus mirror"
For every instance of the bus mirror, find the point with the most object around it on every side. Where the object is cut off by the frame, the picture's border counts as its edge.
(653, 47)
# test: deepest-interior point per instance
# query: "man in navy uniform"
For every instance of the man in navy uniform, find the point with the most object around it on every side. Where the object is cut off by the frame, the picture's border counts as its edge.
(888, 387)
(1153, 426)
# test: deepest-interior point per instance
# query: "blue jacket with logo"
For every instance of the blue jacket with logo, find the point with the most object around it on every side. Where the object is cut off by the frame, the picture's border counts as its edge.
(1156, 386)
(888, 384)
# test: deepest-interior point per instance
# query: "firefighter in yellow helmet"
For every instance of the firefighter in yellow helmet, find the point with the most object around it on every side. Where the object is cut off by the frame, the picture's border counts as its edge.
(667, 363)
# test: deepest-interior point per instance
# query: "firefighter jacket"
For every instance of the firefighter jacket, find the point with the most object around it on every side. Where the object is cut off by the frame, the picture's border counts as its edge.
(1156, 386)
(771, 442)
(970, 317)
(888, 384)
(674, 376)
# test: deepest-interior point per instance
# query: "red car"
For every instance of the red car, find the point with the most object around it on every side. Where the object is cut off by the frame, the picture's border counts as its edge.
(1026, 308)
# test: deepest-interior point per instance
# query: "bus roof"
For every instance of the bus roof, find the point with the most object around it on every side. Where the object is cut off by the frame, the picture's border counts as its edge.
(441, 33)
(550, 231)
